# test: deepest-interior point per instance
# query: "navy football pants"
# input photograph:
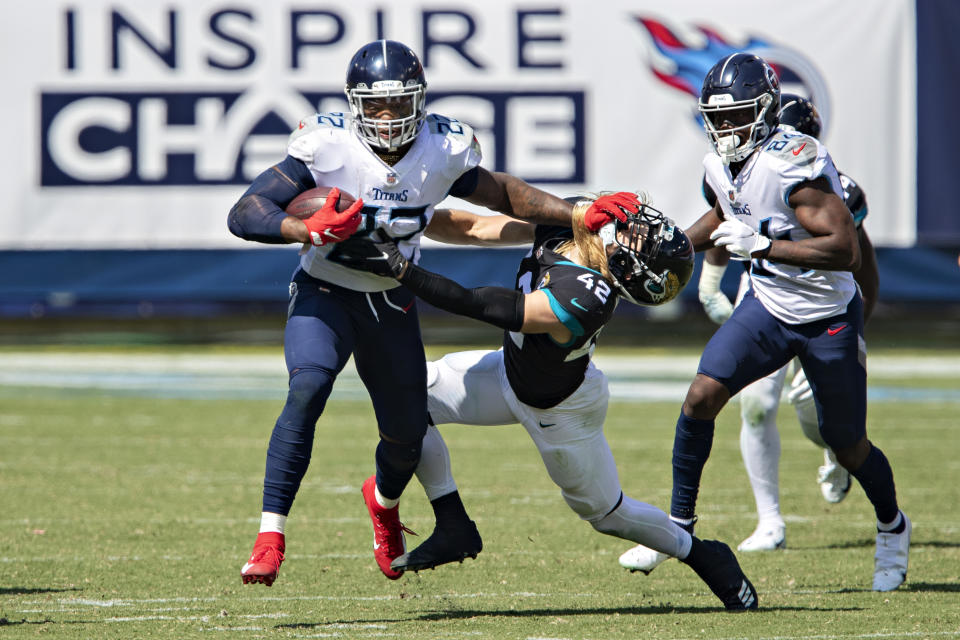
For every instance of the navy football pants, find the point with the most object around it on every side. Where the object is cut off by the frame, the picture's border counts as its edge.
(753, 344)
(325, 324)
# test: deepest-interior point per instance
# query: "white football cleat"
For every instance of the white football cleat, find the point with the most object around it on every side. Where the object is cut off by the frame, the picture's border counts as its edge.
(893, 553)
(768, 536)
(834, 480)
(642, 558)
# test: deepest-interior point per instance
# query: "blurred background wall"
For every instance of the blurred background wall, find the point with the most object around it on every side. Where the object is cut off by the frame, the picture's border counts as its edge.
(130, 127)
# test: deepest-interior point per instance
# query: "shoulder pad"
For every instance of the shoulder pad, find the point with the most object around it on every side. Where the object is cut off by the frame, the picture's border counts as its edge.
(332, 120)
(793, 148)
(317, 133)
(458, 135)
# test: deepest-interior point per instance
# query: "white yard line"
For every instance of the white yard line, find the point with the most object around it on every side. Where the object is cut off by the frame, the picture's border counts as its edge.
(634, 378)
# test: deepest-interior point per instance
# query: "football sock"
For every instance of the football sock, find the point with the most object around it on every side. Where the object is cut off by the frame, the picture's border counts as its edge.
(383, 501)
(685, 523)
(396, 464)
(897, 526)
(272, 522)
(694, 557)
(691, 448)
(876, 478)
(449, 511)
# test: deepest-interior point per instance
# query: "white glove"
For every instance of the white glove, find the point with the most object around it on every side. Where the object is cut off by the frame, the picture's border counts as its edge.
(715, 302)
(799, 388)
(741, 240)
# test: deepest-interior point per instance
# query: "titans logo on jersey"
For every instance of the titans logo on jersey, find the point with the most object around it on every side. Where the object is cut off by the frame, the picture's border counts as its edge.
(541, 371)
(399, 199)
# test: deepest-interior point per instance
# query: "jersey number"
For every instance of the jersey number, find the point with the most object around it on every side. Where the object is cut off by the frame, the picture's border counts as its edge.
(756, 265)
(780, 145)
(443, 125)
(373, 217)
(600, 288)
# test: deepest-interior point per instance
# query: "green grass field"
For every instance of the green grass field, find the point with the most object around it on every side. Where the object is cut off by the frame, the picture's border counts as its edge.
(128, 514)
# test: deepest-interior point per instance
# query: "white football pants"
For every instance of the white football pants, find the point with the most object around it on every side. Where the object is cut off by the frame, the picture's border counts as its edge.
(471, 388)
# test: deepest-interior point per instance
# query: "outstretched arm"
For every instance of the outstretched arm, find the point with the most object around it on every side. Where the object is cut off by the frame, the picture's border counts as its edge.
(504, 193)
(506, 308)
(455, 226)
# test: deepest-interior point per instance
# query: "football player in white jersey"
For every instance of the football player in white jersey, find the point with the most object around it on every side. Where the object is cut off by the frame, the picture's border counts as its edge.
(780, 207)
(398, 161)
(759, 401)
(566, 290)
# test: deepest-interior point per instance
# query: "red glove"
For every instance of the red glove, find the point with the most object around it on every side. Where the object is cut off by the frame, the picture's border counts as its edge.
(607, 208)
(328, 225)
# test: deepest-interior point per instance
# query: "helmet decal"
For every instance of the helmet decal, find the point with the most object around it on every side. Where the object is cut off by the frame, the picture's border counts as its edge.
(681, 62)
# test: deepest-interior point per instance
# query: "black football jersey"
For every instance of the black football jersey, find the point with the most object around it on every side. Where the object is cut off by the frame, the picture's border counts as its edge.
(541, 371)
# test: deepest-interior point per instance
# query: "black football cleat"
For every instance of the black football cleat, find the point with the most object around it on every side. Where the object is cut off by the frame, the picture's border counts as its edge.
(444, 545)
(716, 565)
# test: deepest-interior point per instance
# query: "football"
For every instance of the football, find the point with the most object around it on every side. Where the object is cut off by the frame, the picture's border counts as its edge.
(307, 203)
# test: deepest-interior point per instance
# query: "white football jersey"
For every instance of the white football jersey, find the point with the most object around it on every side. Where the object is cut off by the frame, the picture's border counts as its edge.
(399, 199)
(758, 197)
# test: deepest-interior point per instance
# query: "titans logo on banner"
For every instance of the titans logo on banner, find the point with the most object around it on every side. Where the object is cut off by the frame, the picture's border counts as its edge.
(683, 66)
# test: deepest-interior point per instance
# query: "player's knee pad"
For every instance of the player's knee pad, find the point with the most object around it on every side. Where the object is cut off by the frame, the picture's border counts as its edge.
(308, 392)
(758, 407)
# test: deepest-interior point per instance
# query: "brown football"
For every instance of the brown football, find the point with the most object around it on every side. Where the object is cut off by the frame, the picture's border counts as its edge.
(307, 203)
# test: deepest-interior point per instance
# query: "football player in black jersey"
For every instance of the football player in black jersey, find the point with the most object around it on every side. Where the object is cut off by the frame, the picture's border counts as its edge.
(566, 290)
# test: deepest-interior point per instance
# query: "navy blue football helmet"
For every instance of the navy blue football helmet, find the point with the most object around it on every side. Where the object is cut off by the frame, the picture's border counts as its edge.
(800, 114)
(740, 103)
(653, 258)
(381, 73)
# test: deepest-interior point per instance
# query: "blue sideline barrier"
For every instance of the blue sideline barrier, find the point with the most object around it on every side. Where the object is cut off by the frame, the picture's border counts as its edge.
(208, 282)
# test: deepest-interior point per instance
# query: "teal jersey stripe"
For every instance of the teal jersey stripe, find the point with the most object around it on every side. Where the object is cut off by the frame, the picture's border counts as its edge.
(565, 317)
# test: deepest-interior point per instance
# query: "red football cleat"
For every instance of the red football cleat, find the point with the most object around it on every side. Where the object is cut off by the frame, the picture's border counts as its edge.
(264, 563)
(388, 539)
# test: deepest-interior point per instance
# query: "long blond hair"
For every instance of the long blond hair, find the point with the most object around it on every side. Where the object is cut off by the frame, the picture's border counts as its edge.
(592, 252)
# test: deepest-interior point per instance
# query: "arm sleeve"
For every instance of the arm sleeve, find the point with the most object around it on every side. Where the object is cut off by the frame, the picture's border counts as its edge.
(465, 184)
(498, 306)
(259, 212)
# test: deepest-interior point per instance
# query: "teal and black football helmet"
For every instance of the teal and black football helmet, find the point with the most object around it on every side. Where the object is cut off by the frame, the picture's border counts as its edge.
(653, 257)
